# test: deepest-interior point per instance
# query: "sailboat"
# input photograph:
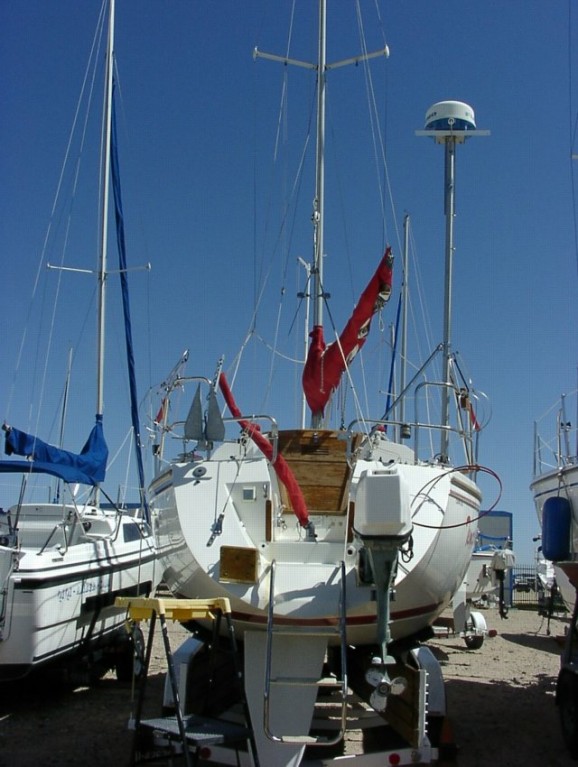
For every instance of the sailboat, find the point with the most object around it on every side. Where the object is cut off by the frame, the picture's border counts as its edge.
(555, 490)
(336, 546)
(63, 562)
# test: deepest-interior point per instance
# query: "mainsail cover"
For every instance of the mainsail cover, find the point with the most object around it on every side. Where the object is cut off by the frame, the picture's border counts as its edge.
(87, 467)
(325, 364)
(122, 264)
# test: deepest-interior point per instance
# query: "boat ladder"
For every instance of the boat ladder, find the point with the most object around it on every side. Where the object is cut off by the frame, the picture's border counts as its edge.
(183, 734)
(325, 686)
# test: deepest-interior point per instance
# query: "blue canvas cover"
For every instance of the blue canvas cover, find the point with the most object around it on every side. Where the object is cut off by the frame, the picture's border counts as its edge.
(87, 467)
(122, 264)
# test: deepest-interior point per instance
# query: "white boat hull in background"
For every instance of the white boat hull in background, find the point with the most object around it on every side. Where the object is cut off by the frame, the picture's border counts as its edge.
(57, 604)
(553, 484)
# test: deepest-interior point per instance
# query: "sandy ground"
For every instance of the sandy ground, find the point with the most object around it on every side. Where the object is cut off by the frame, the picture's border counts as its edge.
(500, 698)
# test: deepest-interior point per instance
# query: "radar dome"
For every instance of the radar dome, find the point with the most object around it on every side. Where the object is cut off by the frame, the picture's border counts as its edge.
(450, 115)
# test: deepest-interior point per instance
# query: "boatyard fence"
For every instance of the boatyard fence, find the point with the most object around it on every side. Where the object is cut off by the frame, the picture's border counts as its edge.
(528, 592)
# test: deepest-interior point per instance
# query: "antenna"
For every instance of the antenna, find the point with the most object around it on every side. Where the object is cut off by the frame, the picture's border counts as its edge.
(449, 123)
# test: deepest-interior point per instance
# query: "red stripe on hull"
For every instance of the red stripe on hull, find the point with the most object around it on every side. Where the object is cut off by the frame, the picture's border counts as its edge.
(355, 620)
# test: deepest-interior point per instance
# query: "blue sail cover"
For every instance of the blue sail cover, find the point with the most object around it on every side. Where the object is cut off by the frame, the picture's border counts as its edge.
(87, 467)
(122, 264)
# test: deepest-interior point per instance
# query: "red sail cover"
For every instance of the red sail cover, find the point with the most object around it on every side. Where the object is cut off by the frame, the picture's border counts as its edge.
(325, 364)
(282, 468)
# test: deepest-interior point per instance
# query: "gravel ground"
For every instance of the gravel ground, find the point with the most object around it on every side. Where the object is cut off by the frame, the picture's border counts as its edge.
(500, 698)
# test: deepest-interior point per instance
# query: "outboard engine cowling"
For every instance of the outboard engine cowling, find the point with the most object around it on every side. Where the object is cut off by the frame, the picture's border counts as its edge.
(382, 505)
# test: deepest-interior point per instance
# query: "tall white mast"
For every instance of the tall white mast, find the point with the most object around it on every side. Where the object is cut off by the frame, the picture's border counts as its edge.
(105, 180)
(319, 202)
(306, 295)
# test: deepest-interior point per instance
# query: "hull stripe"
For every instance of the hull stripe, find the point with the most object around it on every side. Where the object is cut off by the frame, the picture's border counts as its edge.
(355, 620)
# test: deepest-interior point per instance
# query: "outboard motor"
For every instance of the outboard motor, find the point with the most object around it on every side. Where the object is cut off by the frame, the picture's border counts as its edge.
(503, 560)
(383, 525)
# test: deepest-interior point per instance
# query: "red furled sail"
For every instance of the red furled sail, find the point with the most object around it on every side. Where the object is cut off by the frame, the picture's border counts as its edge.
(325, 364)
(282, 468)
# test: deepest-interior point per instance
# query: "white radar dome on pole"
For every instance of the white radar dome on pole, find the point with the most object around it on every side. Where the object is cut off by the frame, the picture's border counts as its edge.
(450, 115)
(450, 121)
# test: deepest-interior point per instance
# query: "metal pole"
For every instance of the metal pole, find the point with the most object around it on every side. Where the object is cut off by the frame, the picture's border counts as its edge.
(449, 123)
(104, 212)
(318, 206)
(449, 210)
(105, 180)
(307, 296)
(404, 300)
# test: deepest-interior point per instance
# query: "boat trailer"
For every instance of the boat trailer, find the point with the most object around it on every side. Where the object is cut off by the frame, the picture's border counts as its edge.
(206, 713)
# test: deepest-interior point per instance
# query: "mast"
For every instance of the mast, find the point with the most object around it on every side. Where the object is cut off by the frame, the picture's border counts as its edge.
(319, 201)
(404, 301)
(105, 179)
(307, 296)
(449, 123)
(321, 67)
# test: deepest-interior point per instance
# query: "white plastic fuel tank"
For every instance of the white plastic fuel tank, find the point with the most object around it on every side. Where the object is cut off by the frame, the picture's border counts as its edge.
(450, 115)
(382, 505)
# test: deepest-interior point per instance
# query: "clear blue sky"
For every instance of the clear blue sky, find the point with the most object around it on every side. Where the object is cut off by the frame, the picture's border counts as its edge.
(198, 125)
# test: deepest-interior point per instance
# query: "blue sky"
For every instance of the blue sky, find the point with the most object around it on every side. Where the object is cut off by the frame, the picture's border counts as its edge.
(198, 124)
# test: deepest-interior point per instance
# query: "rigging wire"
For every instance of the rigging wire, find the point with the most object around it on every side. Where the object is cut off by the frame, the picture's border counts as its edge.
(283, 238)
(86, 93)
(263, 270)
(138, 209)
(573, 130)
(380, 161)
(379, 164)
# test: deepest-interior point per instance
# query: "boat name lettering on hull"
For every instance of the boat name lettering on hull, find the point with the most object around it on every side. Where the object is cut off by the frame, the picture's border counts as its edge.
(76, 590)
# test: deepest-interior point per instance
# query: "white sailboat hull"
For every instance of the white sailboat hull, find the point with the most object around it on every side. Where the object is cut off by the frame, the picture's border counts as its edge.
(58, 597)
(240, 484)
(551, 484)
